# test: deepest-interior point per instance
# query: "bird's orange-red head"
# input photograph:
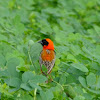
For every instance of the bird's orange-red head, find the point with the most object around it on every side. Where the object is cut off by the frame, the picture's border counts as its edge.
(47, 44)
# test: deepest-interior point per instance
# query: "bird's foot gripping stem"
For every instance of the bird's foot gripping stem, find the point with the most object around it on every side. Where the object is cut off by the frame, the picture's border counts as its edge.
(48, 76)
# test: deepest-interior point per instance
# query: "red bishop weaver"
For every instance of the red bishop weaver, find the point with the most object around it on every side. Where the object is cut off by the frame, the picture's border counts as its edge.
(47, 55)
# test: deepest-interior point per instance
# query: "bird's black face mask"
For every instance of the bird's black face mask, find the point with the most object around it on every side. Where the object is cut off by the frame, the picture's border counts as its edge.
(43, 42)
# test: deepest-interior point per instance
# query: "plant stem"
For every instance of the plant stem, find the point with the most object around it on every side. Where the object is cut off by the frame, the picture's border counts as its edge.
(35, 93)
(30, 57)
(59, 84)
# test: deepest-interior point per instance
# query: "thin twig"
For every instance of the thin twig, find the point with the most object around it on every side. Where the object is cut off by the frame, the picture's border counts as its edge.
(59, 84)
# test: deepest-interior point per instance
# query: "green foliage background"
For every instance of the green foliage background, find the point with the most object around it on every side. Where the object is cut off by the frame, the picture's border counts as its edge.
(74, 27)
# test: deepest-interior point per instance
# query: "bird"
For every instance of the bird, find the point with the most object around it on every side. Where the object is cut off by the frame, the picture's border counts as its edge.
(47, 55)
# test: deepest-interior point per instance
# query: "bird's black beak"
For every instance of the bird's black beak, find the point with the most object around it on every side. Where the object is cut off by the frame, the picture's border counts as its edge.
(40, 42)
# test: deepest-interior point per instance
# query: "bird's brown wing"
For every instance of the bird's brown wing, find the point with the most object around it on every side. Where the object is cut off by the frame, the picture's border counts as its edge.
(51, 65)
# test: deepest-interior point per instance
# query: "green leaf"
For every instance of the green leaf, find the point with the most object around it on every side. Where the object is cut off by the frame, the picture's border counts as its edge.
(74, 37)
(17, 26)
(22, 68)
(70, 57)
(14, 82)
(76, 49)
(31, 42)
(33, 85)
(76, 24)
(48, 95)
(79, 66)
(11, 64)
(2, 60)
(70, 79)
(78, 89)
(66, 27)
(57, 62)
(94, 91)
(62, 79)
(26, 86)
(98, 83)
(25, 97)
(97, 29)
(70, 91)
(45, 27)
(26, 76)
(39, 79)
(79, 98)
(35, 51)
(91, 79)
(82, 81)
(3, 37)
(88, 96)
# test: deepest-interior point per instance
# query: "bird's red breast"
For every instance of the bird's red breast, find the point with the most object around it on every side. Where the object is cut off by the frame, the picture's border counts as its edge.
(47, 55)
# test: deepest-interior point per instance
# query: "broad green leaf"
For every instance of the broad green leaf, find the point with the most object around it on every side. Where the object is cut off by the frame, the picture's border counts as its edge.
(2, 61)
(26, 86)
(62, 79)
(34, 85)
(56, 90)
(66, 27)
(12, 63)
(79, 98)
(79, 66)
(39, 79)
(98, 83)
(5, 48)
(51, 10)
(22, 68)
(35, 50)
(60, 35)
(48, 95)
(70, 91)
(97, 29)
(97, 49)
(76, 24)
(94, 91)
(76, 49)
(14, 82)
(31, 42)
(70, 57)
(70, 79)
(25, 97)
(3, 37)
(94, 65)
(88, 96)
(91, 79)
(56, 67)
(74, 37)
(17, 25)
(26, 76)
(82, 81)
(78, 89)
(4, 73)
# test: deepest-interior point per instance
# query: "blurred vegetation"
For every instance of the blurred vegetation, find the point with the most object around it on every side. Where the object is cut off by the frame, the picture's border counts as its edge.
(74, 27)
